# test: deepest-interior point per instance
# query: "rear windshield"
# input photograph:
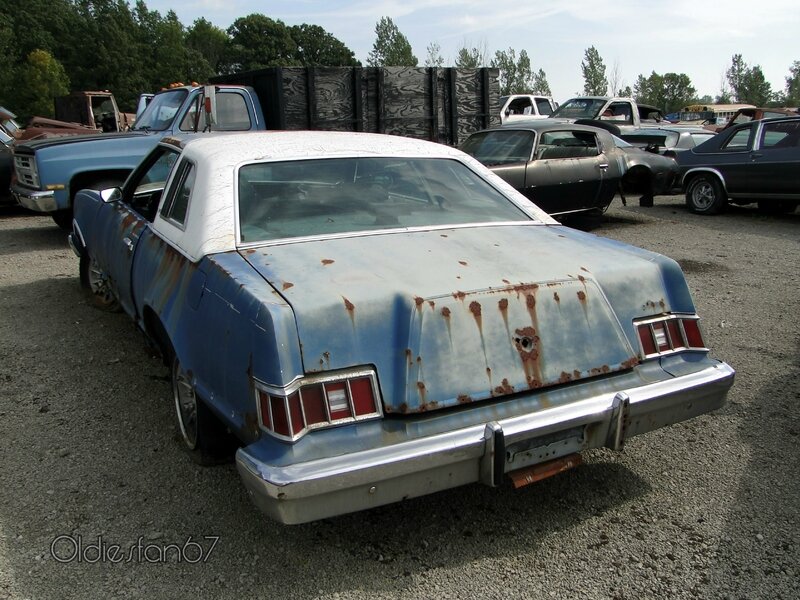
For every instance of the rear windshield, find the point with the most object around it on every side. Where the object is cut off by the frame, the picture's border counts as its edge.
(328, 196)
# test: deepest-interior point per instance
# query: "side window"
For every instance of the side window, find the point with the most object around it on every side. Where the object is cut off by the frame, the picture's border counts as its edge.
(143, 193)
(567, 144)
(232, 112)
(189, 121)
(738, 141)
(780, 135)
(544, 106)
(176, 205)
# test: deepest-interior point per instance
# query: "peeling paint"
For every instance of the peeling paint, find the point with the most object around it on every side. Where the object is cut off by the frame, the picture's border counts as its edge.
(286, 285)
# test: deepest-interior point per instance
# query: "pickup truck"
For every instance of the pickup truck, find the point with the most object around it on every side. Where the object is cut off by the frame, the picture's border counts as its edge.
(442, 105)
(521, 107)
(615, 114)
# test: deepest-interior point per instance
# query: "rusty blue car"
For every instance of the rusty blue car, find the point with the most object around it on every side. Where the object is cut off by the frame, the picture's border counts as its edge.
(374, 318)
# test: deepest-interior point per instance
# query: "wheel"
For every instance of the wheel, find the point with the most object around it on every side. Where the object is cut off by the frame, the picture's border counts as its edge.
(202, 434)
(777, 207)
(97, 285)
(705, 195)
(63, 218)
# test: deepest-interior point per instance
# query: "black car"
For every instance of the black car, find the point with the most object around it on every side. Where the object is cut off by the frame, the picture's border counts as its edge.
(757, 161)
(561, 167)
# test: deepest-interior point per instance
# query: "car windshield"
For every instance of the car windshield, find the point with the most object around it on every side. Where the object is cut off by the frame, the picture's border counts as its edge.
(328, 196)
(500, 147)
(5, 138)
(579, 108)
(160, 113)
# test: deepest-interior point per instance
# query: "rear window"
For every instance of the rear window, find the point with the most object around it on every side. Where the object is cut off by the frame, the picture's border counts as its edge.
(500, 147)
(280, 200)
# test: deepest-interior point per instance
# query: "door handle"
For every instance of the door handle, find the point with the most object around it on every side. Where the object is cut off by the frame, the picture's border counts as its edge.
(128, 242)
(756, 155)
(603, 166)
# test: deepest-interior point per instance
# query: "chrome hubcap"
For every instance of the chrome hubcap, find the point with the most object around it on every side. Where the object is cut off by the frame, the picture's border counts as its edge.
(703, 195)
(185, 405)
(99, 284)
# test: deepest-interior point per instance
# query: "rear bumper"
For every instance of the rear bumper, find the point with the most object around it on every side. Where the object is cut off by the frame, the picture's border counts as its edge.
(44, 202)
(326, 487)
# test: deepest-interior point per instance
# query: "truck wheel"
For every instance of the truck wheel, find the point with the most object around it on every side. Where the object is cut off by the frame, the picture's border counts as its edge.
(202, 434)
(705, 195)
(63, 218)
(95, 281)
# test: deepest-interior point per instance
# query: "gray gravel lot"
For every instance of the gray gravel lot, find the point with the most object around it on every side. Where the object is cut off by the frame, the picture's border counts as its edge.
(89, 459)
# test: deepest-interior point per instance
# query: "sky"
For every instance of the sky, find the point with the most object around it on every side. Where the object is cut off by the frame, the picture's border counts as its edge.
(633, 37)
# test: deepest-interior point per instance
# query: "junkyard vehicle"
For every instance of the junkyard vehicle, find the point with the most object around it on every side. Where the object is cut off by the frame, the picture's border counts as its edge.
(377, 317)
(6, 161)
(523, 107)
(646, 173)
(563, 168)
(8, 124)
(442, 105)
(752, 113)
(667, 140)
(757, 161)
(616, 114)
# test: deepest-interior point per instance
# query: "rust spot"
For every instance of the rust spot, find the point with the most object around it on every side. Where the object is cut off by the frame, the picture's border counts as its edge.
(250, 251)
(503, 305)
(420, 385)
(506, 281)
(527, 344)
(475, 308)
(446, 312)
(582, 296)
(403, 408)
(462, 263)
(287, 285)
(327, 261)
(348, 305)
(576, 374)
(530, 301)
(432, 303)
(504, 388)
(556, 297)
(581, 278)
(409, 356)
(442, 235)
(251, 428)
(419, 301)
(585, 269)
(422, 393)
(605, 369)
(419, 360)
(662, 304)
(564, 377)
(459, 295)
(464, 399)
(631, 362)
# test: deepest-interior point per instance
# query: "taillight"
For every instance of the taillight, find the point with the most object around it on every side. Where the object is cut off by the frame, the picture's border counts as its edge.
(317, 402)
(668, 334)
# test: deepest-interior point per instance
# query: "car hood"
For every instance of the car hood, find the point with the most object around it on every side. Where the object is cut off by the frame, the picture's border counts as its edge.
(33, 145)
(461, 315)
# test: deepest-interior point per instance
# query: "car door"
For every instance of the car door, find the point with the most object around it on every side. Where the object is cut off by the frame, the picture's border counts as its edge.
(122, 222)
(567, 172)
(733, 160)
(775, 163)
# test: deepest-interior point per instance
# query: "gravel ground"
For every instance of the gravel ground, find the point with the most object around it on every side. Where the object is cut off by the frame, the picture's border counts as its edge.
(97, 499)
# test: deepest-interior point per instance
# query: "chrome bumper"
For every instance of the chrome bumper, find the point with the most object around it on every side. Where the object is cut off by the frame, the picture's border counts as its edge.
(481, 453)
(44, 202)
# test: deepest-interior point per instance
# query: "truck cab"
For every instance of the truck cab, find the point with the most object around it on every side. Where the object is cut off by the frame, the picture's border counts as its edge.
(48, 173)
(521, 107)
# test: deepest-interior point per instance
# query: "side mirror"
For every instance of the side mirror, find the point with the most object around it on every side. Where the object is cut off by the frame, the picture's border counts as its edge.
(111, 195)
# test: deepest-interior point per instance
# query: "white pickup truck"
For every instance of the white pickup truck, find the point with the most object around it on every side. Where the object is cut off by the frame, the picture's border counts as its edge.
(519, 107)
(613, 113)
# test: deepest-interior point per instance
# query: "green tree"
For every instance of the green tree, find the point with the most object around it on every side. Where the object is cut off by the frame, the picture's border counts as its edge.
(748, 84)
(594, 73)
(540, 85)
(391, 47)
(45, 79)
(516, 76)
(257, 42)
(206, 45)
(468, 58)
(434, 58)
(317, 47)
(792, 94)
(669, 92)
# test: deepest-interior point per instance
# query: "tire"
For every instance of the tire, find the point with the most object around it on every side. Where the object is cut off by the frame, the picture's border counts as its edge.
(63, 218)
(777, 207)
(95, 281)
(202, 434)
(705, 195)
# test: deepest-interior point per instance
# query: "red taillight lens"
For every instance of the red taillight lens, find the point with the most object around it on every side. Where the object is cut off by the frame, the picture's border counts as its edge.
(316, 402)
(670, 333)
(693, 336)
